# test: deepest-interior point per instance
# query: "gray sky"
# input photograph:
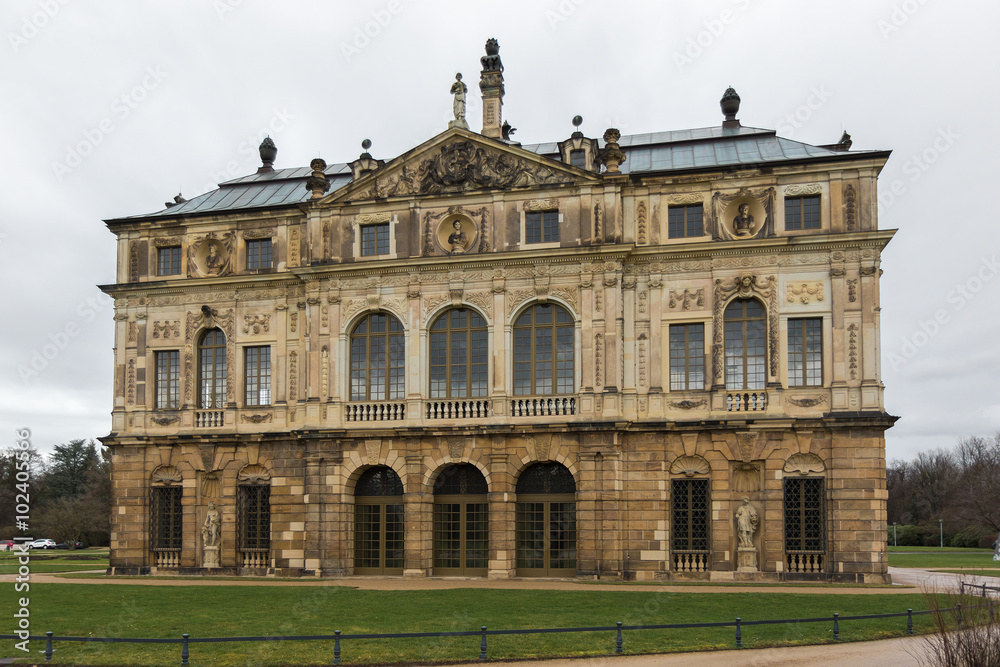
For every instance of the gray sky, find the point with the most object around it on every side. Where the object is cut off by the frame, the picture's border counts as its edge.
(109, 109)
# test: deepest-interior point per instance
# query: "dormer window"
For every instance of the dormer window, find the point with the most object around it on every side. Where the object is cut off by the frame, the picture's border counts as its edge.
(578, 158)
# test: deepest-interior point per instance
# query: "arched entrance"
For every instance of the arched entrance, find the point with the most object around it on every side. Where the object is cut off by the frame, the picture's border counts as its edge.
(546, 521)
(378, 522)
(461, 522)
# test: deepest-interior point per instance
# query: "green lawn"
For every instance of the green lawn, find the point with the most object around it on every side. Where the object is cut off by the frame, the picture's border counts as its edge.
(936, 558)
(218, 611)
(48, 560)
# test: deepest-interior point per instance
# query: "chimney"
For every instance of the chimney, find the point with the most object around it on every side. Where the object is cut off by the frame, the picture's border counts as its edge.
(491, 83)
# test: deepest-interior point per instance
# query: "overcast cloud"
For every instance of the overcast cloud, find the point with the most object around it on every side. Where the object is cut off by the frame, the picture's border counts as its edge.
(109, 109)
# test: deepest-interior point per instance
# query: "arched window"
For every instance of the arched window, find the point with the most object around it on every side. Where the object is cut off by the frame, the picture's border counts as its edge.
(461, 521)
(378, 522)
(746, 344)
(212, 369)
(377, 359)
(545, 522)
(543, 351)
(458, 355)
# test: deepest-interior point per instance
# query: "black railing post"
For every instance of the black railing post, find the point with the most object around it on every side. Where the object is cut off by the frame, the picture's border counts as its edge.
(739, 633)
(990, 602)
(618, 639)
(961, 590)
(336, 647)
(836, 627)
(184, 649)
(909, 621)
(958, 608)
(48, 647)
(482, 644)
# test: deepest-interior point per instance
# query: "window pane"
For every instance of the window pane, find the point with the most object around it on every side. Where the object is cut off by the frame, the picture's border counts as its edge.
(687, 359)
(684, 221)
(533, 227)
(378, 359)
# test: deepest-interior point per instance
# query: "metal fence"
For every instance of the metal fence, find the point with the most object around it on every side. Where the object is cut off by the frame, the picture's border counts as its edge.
(618, 629)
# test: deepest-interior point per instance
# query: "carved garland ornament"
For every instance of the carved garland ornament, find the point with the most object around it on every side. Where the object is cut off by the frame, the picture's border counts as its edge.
(167, 330)
(804, 292)
(850, 207)
(688, 405)
(256, 418)
(803, 189)
(686, 298)
(641, 216)
(807, 401)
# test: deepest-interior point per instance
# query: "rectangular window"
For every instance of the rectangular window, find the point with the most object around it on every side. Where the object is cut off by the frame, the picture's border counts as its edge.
(375, 239)
(687, 356)
(805, 352)
(254, 517)
(578, 158)
(259, 254)
(541, 227)
(168, 261)
(165, 518)
(804, 514)
(802, 213)
(684, 221)
(257, 371)
(168, 379)
(689, 515)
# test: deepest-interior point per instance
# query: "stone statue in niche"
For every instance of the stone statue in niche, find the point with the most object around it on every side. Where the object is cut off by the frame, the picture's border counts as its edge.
(746, 523)
(458, 89)
(457, 241)
(211, 529)
(211, 533)
(746, 526)
(743, 222)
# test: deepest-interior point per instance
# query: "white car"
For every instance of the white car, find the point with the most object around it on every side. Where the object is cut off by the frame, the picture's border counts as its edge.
(42, 544)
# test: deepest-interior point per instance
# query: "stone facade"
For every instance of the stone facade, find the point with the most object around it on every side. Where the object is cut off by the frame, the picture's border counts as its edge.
(455, 215)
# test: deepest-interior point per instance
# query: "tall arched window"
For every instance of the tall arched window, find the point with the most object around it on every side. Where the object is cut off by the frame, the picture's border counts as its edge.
(545, 522)
(377, 359)
(378, 522)
(212, 369)
(461, 521)
(746, 344)
(543, 351)
(458, 355)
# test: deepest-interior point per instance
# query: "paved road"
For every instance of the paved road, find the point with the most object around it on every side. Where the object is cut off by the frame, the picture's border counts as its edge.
(887, 653)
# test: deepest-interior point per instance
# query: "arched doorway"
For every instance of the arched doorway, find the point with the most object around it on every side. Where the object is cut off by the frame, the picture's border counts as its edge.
(461, 522)
(546, 521)
(378, 522)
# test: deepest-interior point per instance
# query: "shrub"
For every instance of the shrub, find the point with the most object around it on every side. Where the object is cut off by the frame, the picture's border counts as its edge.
(974, 537)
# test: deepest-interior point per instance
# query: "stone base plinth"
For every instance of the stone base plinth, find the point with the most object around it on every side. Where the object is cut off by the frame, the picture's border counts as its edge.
(746, 559)
(210, 558)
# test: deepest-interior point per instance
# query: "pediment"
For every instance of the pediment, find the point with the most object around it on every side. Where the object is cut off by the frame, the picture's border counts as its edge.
(458, 161)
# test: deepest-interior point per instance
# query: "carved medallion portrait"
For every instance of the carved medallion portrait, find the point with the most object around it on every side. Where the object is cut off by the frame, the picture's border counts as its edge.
(457, 234)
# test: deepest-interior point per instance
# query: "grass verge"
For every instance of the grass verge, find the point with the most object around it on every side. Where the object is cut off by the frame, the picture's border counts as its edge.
(220, 611)
(46, 560)
(930, 558)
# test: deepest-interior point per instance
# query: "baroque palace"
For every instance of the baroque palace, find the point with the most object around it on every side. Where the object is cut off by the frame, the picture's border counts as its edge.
(643, 357)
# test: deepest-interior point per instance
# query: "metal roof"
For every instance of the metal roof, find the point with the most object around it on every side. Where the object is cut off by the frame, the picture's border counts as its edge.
(679, 150)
